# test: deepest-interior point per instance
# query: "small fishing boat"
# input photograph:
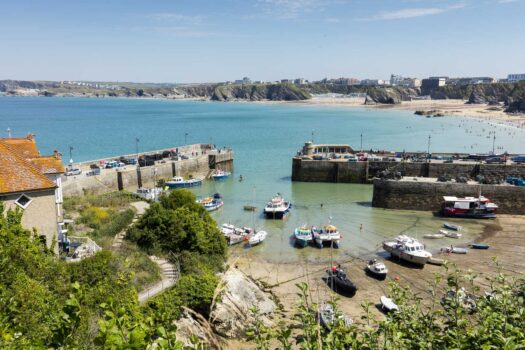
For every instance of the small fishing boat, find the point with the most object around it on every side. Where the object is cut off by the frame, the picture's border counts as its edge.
(479, 246)
(211, 203)
(249, 208)
(339, 281)
(469, 207)
(327, 317)
(377, 269)
(408, 249)
(455, 250)
(220, 174)
(388, 304)
(328, 235)
(303, 236)
(257, 238)
(452, 227)
(277, 208)
(235, 235)
(435, 261)
(179, 182)
(433, 235)
(450, 234)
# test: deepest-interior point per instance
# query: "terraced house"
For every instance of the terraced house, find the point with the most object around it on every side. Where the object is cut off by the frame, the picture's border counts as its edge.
(32, 183)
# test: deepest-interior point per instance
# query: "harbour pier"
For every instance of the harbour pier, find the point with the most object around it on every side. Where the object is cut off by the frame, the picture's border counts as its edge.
(197, 160)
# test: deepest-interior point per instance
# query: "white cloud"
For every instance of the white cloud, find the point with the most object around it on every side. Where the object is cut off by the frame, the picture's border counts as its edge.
(412, 13)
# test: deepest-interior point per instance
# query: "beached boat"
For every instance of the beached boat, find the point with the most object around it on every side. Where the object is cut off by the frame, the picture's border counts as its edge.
(433, 235)
(452, 227)
(277, 208)
(303, 236)
(179, 182)
(388, 304)
(339, 281)
(328, 235)
(479, 246)
(235, 235)
(149, 194)
(377, 269)
(408, 249)
(435, 261)
(455, 250)
(220, 174)
(327, 317)
(211, 203)
(257, 238)
(469, 207)
(450, 234)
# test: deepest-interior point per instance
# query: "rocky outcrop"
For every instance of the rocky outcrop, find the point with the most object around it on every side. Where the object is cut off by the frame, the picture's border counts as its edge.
(259, 92)
(193, 324)
(231, 316)
(516, 106)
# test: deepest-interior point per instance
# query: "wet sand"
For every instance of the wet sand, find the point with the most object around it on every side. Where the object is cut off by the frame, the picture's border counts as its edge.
(505, 236)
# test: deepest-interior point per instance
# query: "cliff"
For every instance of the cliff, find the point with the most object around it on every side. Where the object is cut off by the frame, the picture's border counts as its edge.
(259, 92)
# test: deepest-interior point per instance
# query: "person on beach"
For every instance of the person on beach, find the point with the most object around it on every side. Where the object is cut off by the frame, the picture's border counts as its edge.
(361, 227)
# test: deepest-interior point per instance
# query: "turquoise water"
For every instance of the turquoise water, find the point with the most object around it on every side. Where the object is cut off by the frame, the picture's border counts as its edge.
(264, 138)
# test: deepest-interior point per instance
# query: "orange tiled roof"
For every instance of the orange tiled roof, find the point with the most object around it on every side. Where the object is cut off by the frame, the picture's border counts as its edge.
(49, 165)
(23, 146)
(17, 174)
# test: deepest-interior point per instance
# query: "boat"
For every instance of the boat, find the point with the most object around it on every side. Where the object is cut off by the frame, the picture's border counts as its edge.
(235, 235)
(479, 246)
(149, 194)
(407, 248)
(450, 234)
(388, 304)
(434, 235)
(327, 235)
(257, 238)
(220, 174)
(303, 236)
(377, 268)
(277, 208)
(210, 203)
(469, 207)
(339, 281)
(435, 261)
(249, 208)
(327, 317)
(452, 227)
(179, 182)
(455, 250)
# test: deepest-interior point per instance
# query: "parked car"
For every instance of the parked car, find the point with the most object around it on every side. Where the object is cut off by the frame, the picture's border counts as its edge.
(73, 171)
(494, 160)
(518, 159)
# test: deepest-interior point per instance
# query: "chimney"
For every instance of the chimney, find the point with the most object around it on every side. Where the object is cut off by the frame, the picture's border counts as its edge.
(57, 155)
(31, 137)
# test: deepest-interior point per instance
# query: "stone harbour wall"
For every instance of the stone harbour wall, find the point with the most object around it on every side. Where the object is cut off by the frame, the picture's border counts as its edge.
(428, 196)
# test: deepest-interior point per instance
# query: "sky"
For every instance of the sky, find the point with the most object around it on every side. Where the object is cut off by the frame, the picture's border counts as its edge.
(191, 41)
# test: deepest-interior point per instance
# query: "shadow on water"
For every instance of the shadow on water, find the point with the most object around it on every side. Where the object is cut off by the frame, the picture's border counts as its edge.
(285, 178)
(364, 204)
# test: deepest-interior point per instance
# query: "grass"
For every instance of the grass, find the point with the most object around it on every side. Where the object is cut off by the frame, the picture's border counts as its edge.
(145, 271)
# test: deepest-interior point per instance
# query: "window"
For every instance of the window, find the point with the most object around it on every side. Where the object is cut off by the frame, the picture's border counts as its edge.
(23, 201)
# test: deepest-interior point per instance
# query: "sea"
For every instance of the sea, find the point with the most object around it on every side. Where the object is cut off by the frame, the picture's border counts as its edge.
(265, 137)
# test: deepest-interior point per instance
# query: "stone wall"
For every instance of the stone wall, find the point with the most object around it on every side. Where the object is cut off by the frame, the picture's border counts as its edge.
(413, 195)
(130, 178)
(361, 172)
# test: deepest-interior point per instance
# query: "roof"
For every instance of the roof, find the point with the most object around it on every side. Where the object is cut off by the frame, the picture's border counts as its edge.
(18, 174)
(23, 146)
(49, 165)
(466, 199)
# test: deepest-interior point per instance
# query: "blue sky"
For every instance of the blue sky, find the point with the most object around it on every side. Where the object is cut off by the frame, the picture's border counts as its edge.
(218, 40)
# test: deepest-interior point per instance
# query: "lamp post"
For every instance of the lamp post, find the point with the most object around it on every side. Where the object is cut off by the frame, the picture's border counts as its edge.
(155, 184)
(312, 136)
(9, 132)
(70, 156)
(186, 139)
(361, 142)
(137, 140)
(428, 149)
(494, 143)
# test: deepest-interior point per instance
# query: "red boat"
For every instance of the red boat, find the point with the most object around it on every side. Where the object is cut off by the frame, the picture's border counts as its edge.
(469, 207)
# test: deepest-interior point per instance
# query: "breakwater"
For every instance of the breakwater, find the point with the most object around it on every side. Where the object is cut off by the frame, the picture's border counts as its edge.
(343, 171)
(427, 194)
(194, 160)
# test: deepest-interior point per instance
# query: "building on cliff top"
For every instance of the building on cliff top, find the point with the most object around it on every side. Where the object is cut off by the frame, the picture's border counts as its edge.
(32, 183)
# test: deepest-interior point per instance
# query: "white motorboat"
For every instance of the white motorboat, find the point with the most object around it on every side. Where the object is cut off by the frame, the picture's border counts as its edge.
(408, 249)
(211, 203)
(388, 304)
(220, 174)
(235, 235)
(179, 182)
(377, 268)
(257, 238)
(328, 235)
(149, 194)
(450, 234)
(277, 208)
(434, 235)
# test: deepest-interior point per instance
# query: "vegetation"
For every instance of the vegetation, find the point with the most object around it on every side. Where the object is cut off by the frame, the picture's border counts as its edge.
(496, 320)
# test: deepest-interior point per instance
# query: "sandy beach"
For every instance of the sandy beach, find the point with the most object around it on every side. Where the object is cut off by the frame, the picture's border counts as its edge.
(504, 235)
(445, 107)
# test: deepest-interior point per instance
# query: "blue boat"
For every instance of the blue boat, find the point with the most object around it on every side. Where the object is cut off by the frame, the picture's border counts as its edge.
(179, 182)
(303, 236)
(451, 226)
(479, 246)
(220, 175)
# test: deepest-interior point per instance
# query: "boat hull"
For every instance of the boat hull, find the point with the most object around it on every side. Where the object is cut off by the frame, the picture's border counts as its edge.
(339, 285)
(479, 246)
(183, 185)
(414, 259)
(301, 242)
(378, 275)
(468, 214)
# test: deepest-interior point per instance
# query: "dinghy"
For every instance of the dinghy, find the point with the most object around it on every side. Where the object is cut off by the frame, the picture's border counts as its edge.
(388, 304)
(433, 235)
(479, 246)
(435, 261)
(456, 250)
(339, 281)
(377, 269)
(452, 227)
(450, 234)
(257, 238)
(327, 317)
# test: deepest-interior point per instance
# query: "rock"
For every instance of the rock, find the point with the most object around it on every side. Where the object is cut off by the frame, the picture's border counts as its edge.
(444, 178)
(516, 106)
(476, 98)
(193, 324)
(231, 316)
